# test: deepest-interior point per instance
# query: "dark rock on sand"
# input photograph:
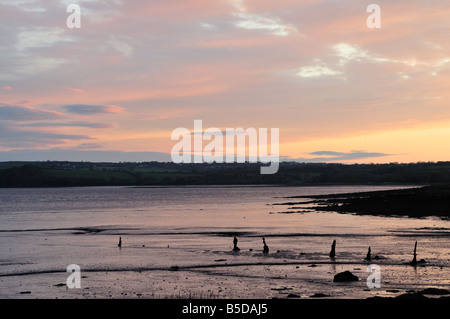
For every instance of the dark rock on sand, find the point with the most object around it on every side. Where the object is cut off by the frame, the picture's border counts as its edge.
(393, 290)
(434, 291)
(281, 289)
(414, 295)
(414, 263)
(428, 291)
(293, 296)
(319, 295)
(345, 276)
(174, 268)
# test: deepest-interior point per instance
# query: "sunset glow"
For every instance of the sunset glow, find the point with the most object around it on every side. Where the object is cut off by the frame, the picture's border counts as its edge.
(136, 70)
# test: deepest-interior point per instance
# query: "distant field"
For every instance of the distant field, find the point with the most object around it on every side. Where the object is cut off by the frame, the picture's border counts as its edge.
(91, 174)
(108, 177)
(7, 165)
(155, 170)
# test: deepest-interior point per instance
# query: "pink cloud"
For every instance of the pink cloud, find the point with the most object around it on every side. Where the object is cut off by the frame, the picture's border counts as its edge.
(87, 109)
(75, 90)
(26, 113)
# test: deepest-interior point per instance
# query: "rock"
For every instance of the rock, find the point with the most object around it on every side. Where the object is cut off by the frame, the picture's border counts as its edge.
(174, 268)
(379, 298)
(393, 290)
(319, 295)
(281, 289)
(415, 262)
(411, 296)
(345, 276)
(434, 291)
(25, 292)
(293, 296)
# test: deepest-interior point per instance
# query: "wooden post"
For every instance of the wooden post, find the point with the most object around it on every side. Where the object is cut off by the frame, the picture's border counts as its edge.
(368, 256)
(414, 261)
(333, 249)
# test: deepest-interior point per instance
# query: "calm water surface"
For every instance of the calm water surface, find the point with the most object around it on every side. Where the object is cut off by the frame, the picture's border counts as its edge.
(44, 230)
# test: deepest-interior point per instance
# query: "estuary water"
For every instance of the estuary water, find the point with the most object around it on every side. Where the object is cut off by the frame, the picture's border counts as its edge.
(177, 243)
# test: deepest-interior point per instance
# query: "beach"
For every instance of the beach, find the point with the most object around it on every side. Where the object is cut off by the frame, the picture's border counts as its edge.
(177, 243)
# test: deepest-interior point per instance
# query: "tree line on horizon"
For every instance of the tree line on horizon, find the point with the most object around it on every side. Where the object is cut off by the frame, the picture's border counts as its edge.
(65, 174)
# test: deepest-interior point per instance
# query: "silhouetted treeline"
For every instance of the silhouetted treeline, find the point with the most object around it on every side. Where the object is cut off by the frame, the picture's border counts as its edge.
(61, 174)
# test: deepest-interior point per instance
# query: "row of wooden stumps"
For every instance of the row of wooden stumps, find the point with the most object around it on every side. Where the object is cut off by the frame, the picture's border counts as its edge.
(369, 256)
(265, 247)
(333, 251)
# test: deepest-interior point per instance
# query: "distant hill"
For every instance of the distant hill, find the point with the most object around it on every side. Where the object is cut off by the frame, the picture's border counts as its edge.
(64, 173)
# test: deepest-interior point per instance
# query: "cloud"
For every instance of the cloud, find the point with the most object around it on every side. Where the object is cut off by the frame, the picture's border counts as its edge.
(86, 109)
(255, 21)
(86, 146)
(76, 90)
(332, 156)
(68, 124)
(317, 71)
(26, 5)
(60, 154)
(259, 22)
(14, 138)
(121, 46)
(11, 112)
(40, 37)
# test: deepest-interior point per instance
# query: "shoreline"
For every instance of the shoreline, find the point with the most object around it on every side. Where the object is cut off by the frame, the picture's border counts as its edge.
(415, 202)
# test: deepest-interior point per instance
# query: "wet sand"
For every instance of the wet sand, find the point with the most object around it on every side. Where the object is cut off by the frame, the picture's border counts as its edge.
(180, 273)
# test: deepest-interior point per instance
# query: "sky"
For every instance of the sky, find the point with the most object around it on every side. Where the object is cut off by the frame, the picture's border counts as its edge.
(117, 87)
